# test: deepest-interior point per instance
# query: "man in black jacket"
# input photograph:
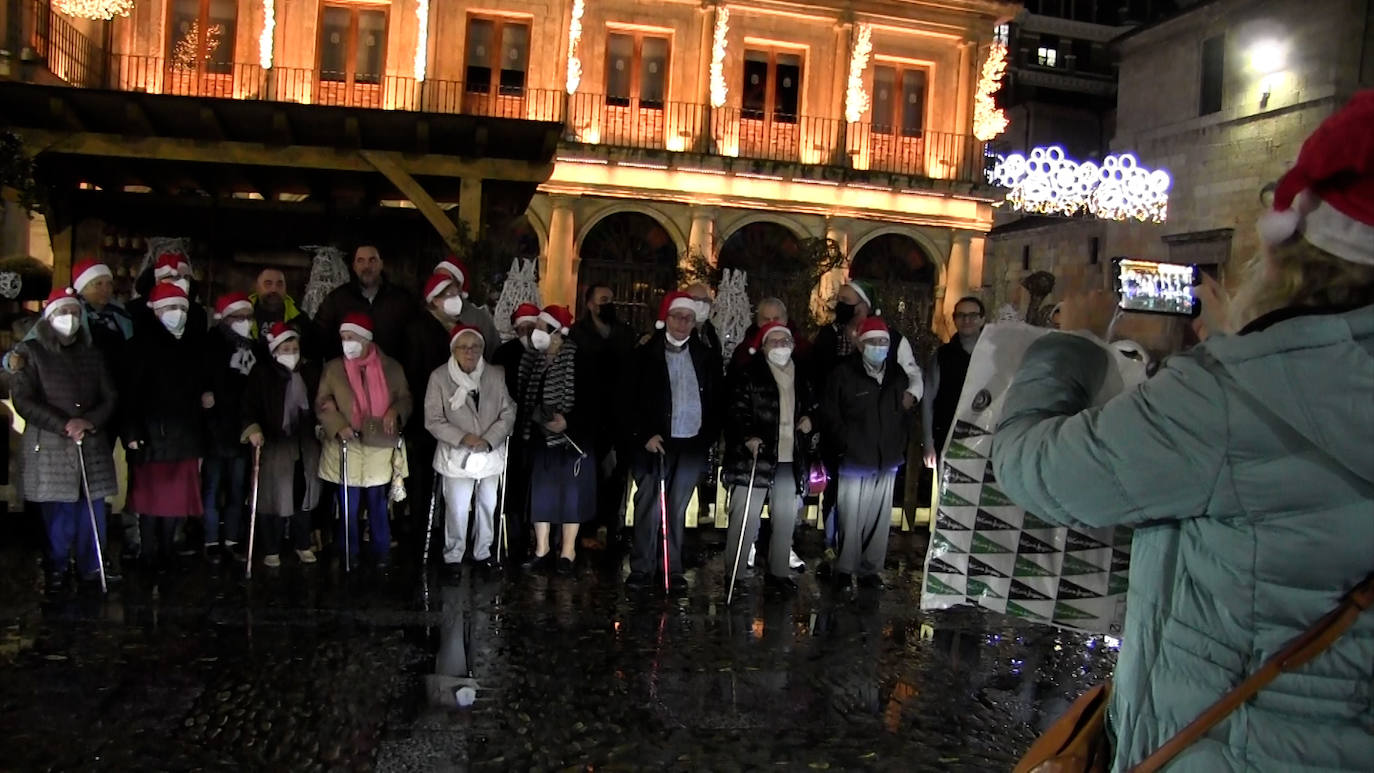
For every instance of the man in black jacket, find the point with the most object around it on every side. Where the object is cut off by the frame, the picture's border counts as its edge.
(672, 392)
(945, 377)
(229, 357)
(863, 422)
(391, 307)
(605, 343)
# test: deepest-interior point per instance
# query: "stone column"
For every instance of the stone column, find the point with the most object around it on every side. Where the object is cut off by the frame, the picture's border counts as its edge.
(558, 281)
(956, 279)
(976, 267)
(702, 238)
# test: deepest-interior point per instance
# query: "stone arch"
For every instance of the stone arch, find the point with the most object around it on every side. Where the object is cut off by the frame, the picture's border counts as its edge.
(674, 232)
(797, 228)
(632, 252)
(938, 255)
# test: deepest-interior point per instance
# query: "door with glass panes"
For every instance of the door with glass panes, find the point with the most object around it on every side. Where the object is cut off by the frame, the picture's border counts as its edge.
(200, 47)
(899, 119)
(769, 105)
(496, 76)
(636, 83)
(352, 55)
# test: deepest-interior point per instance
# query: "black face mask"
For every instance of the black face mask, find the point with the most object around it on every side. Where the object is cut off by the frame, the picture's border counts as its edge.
(606, 313)
(844, 312)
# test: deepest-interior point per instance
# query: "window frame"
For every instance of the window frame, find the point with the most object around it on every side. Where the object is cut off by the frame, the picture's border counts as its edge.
(355, 10)
(635, 99)
(896, 123)
(1210, 101)
(202, 65)
(495, 57)
(770, 113)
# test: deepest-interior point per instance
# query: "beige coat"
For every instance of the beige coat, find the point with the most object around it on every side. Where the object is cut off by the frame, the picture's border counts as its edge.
(373, 458)
(492, 421)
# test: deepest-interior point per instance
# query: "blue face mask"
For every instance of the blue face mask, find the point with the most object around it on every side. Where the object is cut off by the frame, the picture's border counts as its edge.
(875, 355)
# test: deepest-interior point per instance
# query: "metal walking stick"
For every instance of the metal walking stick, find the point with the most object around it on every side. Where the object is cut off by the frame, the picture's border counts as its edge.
(429, 526)
(501, 543)
(253, 512)
(743, 530)
(663, 511)
(90, 509)
(343, 498)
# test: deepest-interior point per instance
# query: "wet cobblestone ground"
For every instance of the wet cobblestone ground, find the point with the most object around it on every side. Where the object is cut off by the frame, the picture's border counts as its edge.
(305, 669)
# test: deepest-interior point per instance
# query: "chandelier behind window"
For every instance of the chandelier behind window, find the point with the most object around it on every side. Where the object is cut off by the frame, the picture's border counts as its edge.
(100, 10)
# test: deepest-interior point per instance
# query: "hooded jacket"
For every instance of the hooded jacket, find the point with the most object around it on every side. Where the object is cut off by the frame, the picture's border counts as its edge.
(1247, 467)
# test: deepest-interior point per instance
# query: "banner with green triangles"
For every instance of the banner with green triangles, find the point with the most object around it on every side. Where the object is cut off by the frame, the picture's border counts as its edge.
(1023, 591)
(958, 450)
(1064, 611)
(1072, 590)
(939, 587)
(983, 568)
(940, 565)
(1077, 540)
(984, 543)
(1029, 566)
(1117, 584)
(988, 475)
(939, 543)
(943, 520)
(964, 430)
(1075, 565)
(1033, 521)
(1031, 544)
(950, 499)
(986, 521)
(954, 475)
(991, 497)
(1030, 611)
(1121, 561)
(979, 589)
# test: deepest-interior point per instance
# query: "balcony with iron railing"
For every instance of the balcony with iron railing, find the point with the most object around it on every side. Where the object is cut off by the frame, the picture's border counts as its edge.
(593, 122)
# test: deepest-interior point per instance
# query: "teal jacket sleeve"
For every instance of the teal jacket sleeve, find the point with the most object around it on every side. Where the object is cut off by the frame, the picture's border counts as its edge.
(1151, 453)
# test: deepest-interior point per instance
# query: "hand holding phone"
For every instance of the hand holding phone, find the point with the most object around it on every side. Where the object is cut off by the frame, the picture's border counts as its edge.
(1151, 287)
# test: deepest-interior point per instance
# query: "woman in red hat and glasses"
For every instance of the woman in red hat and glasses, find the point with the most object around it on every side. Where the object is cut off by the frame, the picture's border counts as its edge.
(363, 402)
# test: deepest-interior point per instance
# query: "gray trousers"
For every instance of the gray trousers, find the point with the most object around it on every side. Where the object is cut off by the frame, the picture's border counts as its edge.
(783, 506)
(683, 462)
(864, 510)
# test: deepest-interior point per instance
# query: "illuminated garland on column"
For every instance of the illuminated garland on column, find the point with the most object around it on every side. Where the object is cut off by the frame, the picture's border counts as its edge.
(101, 10)
(269, 28)
(421, 38)
(718, 88)
(988, 119)
(856, 99)
(1047, 182)
(574, 37)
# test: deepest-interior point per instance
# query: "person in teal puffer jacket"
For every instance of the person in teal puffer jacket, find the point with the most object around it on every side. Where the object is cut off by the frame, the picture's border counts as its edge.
(1247, 467)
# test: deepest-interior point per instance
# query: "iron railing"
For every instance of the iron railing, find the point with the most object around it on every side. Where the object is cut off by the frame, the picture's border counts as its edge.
(60, 47)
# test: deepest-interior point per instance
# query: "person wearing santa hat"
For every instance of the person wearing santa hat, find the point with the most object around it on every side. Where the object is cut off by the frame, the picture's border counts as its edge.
(278, 417)
(863, 422)
(1247, 467)
(174, 268)
(363, 400)
(671, 415)
(163, 414)
(66, 396)
(767, 436)
(516, 494)
(555, 421)
(370, 292)
(230, 354)
(471, 415)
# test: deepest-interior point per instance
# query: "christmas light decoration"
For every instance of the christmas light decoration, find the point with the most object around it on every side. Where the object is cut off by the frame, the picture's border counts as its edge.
(421, 38)
(575, 36)
(1047, 182)
(988, 119)
(185, 52)
(718, 88)
(100, 10)
(269, 27)
(856, 99)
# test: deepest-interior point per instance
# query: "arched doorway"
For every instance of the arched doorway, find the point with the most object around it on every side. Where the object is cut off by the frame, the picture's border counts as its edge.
(903, 276)
(634, 255)
(776, 261)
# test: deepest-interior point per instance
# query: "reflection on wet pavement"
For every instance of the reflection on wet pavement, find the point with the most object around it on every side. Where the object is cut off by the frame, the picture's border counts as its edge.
(308, 670)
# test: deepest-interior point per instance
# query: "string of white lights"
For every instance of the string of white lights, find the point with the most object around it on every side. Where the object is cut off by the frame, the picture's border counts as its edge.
(265, 38)
(718, 88)
(101, 10)
(856, 100)
(988, 119)
(575, 37)
(421, 38)
(1048, 182)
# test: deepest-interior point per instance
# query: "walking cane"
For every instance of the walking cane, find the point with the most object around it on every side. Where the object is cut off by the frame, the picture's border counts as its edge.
(429, 527)
(743, 529)
(253, 512)
(343, 497)
(501, 542)
(663, 511)
(90, 509)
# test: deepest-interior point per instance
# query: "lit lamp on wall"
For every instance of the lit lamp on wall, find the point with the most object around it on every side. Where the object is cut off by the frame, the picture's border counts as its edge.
(1268, 58)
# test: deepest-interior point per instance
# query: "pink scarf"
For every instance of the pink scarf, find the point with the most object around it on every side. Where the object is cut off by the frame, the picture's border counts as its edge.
(374, 400)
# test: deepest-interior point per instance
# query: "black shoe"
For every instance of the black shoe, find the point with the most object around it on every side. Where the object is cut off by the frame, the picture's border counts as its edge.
(130, 554)
(782, 585)
(383, 562)
(564, 567)
(637, 580)
(843, 581)
(538, 563)
(677, 584)
(214, 554)
(871, 581)
(825, 570)
(53, 580)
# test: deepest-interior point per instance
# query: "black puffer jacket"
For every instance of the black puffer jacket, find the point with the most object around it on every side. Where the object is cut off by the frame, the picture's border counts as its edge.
(863, 421)
(753, 411)
(228, 360)
(161, 406)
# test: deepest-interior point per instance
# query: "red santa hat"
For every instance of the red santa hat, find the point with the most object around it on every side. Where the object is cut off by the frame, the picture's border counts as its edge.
(87, 271)
(461, 329)
(170, 264)
(437, 283)
(765, 331)
(1328, 195)
(674, 300)
(166, 295)
(232, 303)
(559, 317)
(525, 312)
(455, 268)
(358, 324)
(873, 327)
(61, 298)
(278, 334)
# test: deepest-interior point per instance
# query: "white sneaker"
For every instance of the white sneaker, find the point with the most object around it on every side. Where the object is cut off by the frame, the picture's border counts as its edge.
(306, 556)
(794, 561)
(271, 560)
(751, 557)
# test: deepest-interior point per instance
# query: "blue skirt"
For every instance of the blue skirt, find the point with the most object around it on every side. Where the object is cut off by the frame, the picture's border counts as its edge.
(561, 490)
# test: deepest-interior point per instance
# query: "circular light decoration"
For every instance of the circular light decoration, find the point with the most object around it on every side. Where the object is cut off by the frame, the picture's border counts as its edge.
(1047, 182)
(100, 10)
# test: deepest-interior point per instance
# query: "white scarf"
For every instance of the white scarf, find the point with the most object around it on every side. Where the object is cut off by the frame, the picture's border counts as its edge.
(466, 382)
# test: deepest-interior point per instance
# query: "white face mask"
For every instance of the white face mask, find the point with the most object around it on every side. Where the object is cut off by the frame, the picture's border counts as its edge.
(353, 349)
(780, 356)
(184, 284)
(453, 305)
(675, 341)
(242, 327)
(64, 324)
(540, 340)
(703, 311)
(288, 361)
(174, 320)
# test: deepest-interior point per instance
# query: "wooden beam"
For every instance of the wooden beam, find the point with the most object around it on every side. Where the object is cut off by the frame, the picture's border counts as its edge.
(137, 119)
(258, 154)
(389, 164)
(210, 123)
(281, 128)
(62, 114)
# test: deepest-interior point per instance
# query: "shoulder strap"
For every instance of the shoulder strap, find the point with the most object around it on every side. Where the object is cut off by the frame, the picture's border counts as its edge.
(1298, 652)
